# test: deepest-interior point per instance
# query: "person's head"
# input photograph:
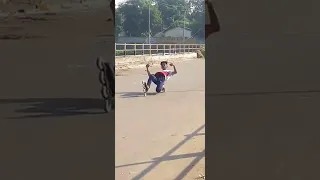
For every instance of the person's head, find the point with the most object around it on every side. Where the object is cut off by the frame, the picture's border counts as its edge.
(164, 65)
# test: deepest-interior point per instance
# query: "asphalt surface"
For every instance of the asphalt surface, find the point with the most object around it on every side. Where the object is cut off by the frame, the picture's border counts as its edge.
(161, 136)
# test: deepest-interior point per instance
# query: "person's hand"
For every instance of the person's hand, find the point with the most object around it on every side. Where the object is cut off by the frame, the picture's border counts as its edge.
(148, 65)
(171, 64)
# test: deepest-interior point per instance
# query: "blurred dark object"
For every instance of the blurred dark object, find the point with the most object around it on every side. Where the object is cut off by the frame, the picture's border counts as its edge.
(112, 7)
(21, 11)
(214, 25)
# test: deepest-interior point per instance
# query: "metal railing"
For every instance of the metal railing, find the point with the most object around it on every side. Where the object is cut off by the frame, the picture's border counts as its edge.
(154, 49)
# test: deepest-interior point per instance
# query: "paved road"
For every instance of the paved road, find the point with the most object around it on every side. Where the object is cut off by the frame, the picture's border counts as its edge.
(161, 136)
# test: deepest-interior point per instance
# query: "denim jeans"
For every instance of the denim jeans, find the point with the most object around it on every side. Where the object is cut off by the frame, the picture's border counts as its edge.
(159, 81)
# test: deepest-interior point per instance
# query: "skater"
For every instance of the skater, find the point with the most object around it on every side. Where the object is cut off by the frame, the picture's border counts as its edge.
(160, 77)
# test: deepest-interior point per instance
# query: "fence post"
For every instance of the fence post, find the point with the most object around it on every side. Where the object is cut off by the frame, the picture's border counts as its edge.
(184, 48)
(175, 49)
(172, 49)
(157, 49)
(142, 49)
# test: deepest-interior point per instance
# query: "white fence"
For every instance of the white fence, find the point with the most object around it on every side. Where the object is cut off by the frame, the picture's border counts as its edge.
(154, 49)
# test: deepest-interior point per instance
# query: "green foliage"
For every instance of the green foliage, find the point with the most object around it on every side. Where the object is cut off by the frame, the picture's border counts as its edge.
(132, 16)
(119, 18)
(135, 15)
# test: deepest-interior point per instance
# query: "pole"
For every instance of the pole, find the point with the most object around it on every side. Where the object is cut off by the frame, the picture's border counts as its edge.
(149, 25)
(184, 26)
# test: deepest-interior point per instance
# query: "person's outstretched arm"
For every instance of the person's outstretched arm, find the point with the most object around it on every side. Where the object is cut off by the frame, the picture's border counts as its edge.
(147, 66)
(174, 69)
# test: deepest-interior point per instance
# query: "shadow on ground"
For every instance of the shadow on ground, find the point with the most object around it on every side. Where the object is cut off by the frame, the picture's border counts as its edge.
(169, 157)
(135, 94)
(140, 94)
(54, 107)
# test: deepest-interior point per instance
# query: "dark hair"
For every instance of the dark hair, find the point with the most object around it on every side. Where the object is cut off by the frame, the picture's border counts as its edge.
(164, 62)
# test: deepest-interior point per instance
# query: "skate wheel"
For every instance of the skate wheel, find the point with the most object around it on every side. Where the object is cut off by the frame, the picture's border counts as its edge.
(99, 63)
(105, 93)
(144, 88)
(102, 78)
(108, 104)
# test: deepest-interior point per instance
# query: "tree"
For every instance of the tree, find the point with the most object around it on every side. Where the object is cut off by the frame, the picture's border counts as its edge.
(119, 19)
(136, 16)
(172, 11)
(197, 17)
(132, 16)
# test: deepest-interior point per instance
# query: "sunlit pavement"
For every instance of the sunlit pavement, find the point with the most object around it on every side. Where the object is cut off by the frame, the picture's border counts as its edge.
(161, 136)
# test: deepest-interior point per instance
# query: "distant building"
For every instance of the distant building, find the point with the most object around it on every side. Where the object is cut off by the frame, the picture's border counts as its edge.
(176, 32)
(170, 36)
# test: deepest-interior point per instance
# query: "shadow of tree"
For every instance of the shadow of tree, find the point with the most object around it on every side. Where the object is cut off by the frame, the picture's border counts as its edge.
(55, 107)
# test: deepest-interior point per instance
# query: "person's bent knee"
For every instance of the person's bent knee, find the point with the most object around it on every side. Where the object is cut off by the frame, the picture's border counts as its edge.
(158, 90)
